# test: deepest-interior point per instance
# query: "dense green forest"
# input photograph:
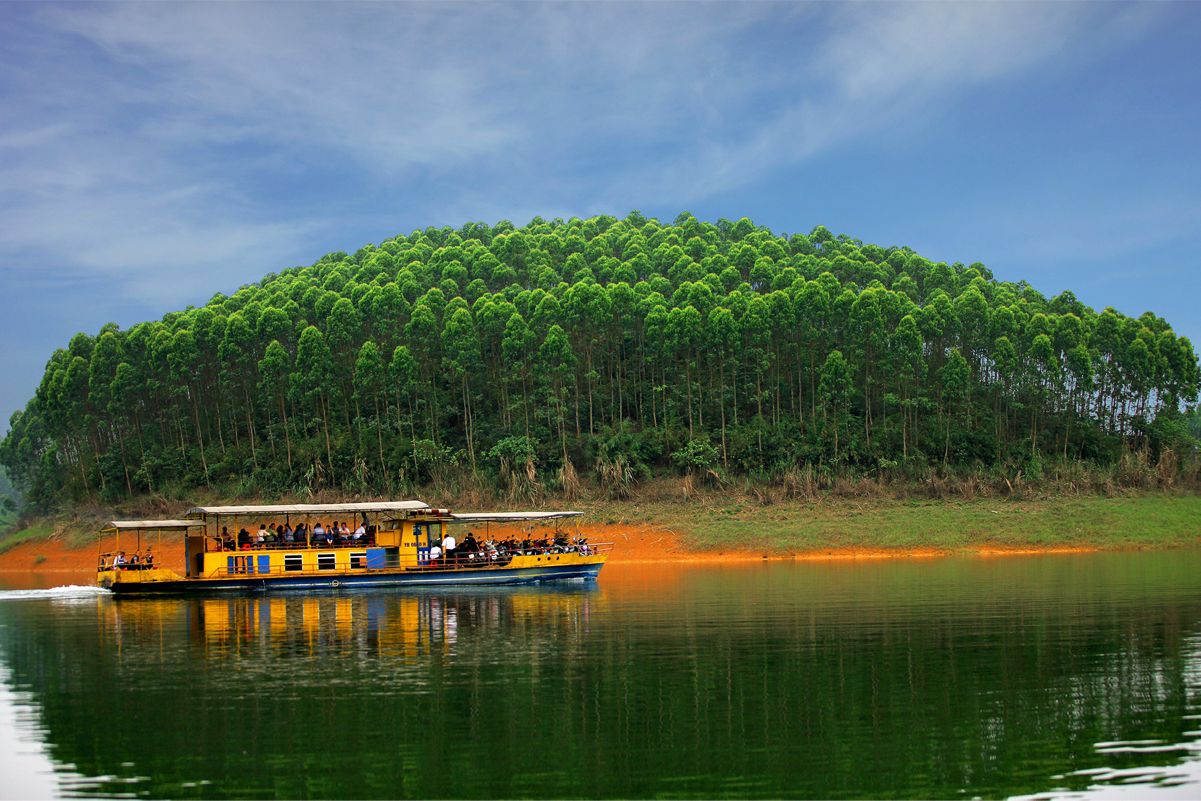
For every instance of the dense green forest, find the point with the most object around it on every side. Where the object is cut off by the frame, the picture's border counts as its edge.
(596, 353)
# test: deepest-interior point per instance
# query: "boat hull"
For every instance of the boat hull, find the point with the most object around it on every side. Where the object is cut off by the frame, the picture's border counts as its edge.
(402, 578)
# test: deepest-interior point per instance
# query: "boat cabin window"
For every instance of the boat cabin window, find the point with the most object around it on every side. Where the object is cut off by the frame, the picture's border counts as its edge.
(431, 530)
(293, 561)
(326, 561)
(358, 560)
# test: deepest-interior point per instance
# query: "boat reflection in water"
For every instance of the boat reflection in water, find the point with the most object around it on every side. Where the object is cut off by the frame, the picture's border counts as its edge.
(412, 624)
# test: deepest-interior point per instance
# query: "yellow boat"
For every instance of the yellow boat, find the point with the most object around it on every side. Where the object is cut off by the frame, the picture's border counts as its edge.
(395, 543)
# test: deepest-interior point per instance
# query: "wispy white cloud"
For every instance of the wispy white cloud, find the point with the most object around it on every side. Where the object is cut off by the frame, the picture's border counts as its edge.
(213, 142)
(871, 67)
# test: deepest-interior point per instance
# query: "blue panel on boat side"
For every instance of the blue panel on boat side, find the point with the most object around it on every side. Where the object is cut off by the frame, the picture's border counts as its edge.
(264, 563)
(375, 557)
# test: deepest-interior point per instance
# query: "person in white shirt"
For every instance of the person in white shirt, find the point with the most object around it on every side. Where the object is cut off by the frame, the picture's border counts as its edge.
(360, 532)
(448, 546)
(435, 552)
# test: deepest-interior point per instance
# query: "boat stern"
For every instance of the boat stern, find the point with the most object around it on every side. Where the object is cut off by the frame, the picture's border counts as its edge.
(108, 577)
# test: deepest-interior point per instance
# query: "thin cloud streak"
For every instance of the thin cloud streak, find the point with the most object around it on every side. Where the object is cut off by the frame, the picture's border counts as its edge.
(155, 138)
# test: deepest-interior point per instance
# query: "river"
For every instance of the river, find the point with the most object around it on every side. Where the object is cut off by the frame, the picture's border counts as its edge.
(1051, 676)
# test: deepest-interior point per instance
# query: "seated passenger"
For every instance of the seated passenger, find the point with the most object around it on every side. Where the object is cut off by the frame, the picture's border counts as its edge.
(148, 563)
(360, 533)
(344, 531)
(243, 539)
(262, 535)
(119, 560)
(227, 542)
(435, 553)
(318, 532)
(289, 536)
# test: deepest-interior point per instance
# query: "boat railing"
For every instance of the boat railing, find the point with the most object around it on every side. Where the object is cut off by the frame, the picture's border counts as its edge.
(248, 568)
(296, 546)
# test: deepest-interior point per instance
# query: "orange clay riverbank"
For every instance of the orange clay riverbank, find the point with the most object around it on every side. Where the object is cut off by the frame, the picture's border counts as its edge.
(632, 544)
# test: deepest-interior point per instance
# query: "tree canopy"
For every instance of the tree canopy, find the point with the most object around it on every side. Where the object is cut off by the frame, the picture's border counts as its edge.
(618, 347)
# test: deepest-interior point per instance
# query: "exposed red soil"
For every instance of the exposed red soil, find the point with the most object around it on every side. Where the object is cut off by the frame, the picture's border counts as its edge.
(632, 545)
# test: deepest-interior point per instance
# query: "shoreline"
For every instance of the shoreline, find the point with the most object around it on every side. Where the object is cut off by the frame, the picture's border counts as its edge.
(646, 547)
(717, 529)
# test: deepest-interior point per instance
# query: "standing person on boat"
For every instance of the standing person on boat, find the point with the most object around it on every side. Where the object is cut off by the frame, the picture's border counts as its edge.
(470, 547)
(448, 547)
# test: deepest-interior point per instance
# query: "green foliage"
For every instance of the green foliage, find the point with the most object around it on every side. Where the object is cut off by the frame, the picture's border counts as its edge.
(627, 345)
(697, 457)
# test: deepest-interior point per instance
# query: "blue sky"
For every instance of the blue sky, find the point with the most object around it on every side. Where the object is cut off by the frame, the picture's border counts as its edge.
(154, 154)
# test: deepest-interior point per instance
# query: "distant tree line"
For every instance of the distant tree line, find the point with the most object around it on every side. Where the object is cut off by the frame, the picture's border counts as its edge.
(598, 350)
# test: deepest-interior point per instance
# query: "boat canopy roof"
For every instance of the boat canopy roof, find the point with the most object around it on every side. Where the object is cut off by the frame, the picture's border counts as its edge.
(129, 525)
(312, 508)
(509, 517)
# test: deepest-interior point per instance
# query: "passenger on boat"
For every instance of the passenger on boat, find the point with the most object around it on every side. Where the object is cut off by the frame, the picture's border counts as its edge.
(435, 553)
(360, 532)
(243, 539)
(149, 563)
(300, 534)
(262, 535)
(318, 532)
(448, 547)
(343, 532)
(289, 536)
(119, 560)
(470, 547)
(227, 542)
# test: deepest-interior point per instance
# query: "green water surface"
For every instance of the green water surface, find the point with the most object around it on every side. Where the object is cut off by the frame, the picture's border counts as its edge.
(945, 678)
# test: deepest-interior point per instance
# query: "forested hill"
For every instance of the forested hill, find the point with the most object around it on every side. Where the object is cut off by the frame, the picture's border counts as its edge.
(600, 350)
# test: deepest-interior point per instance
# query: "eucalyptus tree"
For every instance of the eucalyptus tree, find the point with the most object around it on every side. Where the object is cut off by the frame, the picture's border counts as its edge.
(584, 335)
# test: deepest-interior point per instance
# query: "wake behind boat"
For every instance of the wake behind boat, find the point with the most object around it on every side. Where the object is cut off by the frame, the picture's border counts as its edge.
(392, 543)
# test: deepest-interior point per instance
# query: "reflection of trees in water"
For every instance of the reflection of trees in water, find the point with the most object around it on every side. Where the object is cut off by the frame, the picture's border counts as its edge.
(564, 693)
